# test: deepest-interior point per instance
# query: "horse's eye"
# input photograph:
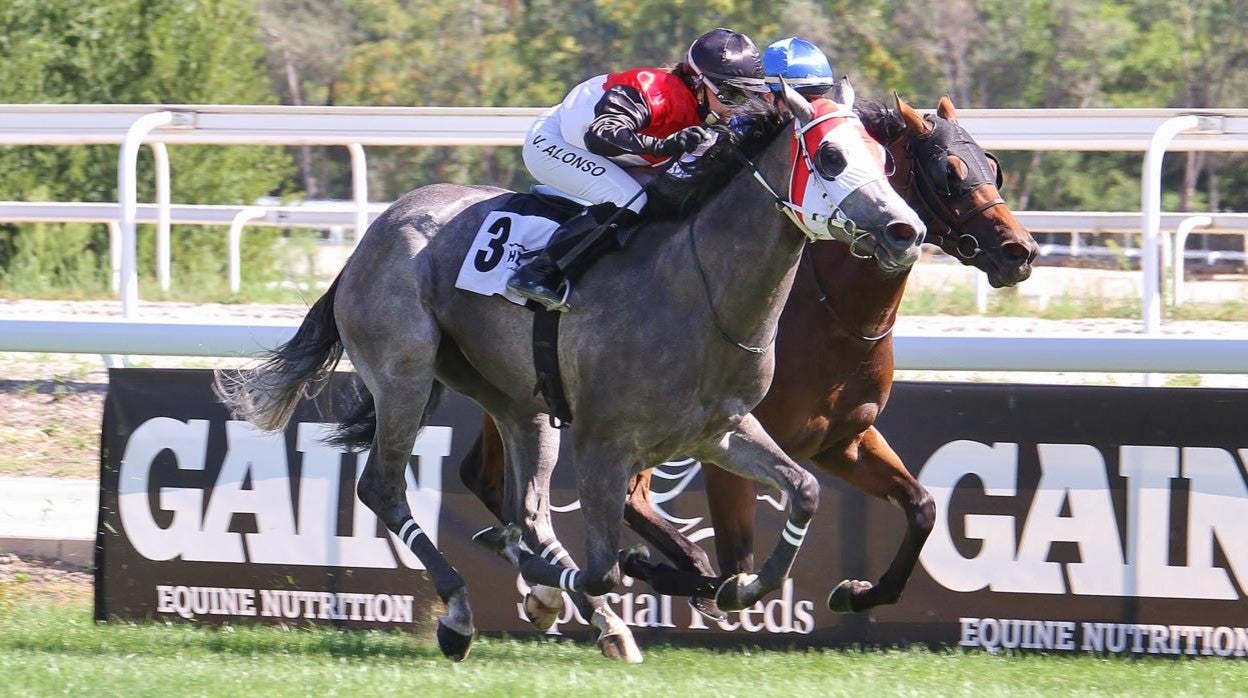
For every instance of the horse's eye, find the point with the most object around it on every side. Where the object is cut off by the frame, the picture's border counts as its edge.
(829, 161)
(955, 169)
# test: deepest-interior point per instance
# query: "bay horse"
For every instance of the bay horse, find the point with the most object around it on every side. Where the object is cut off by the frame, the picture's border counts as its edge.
(834, 361)
(716, 280)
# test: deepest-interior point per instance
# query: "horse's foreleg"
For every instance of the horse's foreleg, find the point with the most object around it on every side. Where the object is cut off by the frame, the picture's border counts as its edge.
(872, 466)
(748, 451)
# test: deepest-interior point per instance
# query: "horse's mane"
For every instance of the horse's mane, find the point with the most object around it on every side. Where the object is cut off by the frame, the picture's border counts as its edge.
(883, 123)
(751, 127)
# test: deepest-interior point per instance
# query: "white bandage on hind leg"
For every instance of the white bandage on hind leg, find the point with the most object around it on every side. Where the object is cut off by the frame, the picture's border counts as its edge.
(569, 579)
(554, 553)
(409, 532)
(793, 534)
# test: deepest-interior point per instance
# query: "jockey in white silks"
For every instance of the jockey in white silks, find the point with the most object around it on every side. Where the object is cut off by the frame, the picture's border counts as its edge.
(614, 132)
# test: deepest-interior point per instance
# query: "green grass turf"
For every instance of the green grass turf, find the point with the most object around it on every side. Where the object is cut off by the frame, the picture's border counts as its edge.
(59, 650)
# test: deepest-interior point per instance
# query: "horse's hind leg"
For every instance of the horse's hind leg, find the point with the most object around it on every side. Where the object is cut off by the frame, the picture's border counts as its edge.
(531, 449)
(748, 451)
(602, 491)
(401, 381)
(872, 466)
(483, 471)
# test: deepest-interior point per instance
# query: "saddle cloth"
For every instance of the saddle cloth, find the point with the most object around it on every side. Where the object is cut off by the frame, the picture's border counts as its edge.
(509, 236)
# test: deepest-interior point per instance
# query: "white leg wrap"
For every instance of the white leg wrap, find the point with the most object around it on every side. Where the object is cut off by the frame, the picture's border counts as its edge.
(793, 534)
(569, 579)
(554, 553)
(409, 532)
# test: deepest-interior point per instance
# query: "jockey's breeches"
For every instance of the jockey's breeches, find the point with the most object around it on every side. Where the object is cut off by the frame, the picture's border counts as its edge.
(576, 171)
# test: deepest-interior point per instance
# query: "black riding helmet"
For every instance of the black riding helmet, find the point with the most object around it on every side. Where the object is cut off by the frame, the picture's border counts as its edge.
(723, 57)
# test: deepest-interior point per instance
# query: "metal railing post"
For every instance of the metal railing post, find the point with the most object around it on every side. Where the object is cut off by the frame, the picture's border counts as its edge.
(161, 156)
(1186, 226)
(981, 294)
(1150, 197)
(234, 242)
(127, 192)
(359, 188)
(114, 256)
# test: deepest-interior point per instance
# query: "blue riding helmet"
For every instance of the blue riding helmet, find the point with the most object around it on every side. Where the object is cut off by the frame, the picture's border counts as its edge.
(801, 64)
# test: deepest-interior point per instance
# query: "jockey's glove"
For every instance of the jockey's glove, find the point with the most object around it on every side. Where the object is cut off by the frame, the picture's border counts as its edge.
(683, 141)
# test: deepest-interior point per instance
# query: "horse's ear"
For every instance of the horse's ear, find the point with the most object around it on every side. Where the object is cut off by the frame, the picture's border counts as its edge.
(797, 104)
(915, 123)
(946, 110)
(843, 93)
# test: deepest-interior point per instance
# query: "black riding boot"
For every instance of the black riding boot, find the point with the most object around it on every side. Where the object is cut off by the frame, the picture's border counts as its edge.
(542, 279)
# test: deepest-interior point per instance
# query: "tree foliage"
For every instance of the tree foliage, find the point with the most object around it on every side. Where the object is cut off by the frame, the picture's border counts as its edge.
(984, 53)
(128, 51)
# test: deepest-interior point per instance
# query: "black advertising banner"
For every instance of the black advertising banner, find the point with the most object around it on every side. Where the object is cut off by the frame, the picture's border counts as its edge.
(1068, 518)
(206, 518)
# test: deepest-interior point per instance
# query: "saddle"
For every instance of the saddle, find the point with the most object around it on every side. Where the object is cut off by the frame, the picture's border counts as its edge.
(546, 322)
(513, 233)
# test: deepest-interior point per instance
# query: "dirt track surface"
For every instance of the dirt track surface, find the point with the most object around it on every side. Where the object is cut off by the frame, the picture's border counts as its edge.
(51, 404)
(44, 580)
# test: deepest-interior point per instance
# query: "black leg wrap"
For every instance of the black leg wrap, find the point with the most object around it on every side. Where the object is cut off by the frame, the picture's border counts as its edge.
(535, 570)
(665, 579)
(446, 579)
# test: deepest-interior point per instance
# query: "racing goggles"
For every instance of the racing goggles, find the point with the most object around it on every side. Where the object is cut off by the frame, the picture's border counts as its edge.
(733, 92)
(810, 88)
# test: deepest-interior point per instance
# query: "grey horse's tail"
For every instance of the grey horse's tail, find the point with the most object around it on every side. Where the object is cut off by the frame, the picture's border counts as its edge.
(267, 394)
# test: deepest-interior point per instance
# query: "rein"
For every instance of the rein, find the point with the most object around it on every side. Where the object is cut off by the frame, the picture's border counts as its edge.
(826, 303)
(790, 209)
(710, 301)
(784, 206)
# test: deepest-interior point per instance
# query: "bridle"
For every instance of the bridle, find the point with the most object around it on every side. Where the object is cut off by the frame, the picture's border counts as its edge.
(838, 220)
(947, 138)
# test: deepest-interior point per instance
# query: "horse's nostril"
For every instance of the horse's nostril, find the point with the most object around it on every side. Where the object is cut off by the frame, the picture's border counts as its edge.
(1015, 252)
(902, 232)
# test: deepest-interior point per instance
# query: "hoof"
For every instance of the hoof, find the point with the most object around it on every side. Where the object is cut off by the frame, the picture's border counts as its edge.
(620, 647)
(632, 559)
(453, 645)
(736, 592)
(708, 609)
(841, 600)
(540, 615)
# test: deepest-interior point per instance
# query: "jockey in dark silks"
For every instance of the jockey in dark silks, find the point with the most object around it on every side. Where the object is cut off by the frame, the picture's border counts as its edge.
(613, 133)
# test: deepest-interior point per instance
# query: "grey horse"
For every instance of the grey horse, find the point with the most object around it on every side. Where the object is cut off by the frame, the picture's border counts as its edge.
(666, 354)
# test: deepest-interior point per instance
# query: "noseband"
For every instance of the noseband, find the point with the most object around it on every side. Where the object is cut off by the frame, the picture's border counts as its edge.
(945, 139)
(838, 220)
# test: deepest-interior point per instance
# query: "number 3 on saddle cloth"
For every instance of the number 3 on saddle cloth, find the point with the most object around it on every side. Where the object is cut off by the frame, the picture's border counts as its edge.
(510, 236)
